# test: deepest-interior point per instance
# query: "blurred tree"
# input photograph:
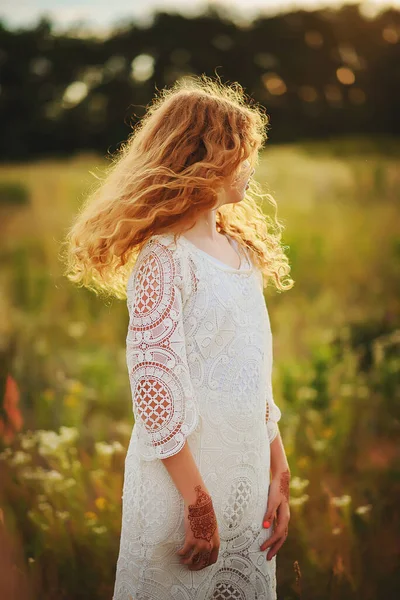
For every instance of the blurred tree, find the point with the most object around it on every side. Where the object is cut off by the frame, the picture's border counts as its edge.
(318, 73)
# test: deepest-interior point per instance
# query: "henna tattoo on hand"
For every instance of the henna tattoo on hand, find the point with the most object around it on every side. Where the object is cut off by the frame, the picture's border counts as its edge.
(284, 484)
(202, 557)
(202, 516)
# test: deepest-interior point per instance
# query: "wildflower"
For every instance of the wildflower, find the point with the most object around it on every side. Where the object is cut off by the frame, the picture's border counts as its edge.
(319, 445)
(118, 447)
(75, 387)
(38, 473)
(20, 458)
(28, 441)
(327, 432)
(49, 442)
(45, 507)
(64, 484)
(341, 500)
(303, 462)
(13, 424)
(6, 453)
(53, 475)
(100, 503)
(76, 329)
(70, 400)
(68, 434)
(298, 484)
(100, 529)
(104, 449)
(90, 515)
(362, 510)
(299, 501)
(62, 514)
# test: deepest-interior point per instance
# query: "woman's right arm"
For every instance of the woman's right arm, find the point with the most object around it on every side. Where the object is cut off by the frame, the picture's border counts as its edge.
(164, 405)
(202, 536)
(185, 474)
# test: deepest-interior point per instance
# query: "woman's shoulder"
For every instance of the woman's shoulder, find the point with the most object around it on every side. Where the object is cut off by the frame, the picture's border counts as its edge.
(163, 259)
(168, 245)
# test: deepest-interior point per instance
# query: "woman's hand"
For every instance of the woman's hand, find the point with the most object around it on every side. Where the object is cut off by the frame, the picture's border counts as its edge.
(202, 541)
(278, 506)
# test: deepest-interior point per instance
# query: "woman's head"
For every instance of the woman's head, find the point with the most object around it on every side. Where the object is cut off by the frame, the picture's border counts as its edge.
(198, 140)
(234, 188)
(201, 127)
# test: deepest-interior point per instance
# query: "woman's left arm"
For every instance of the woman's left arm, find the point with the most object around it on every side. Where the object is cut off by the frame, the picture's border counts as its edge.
(279, 462)
(278, 498)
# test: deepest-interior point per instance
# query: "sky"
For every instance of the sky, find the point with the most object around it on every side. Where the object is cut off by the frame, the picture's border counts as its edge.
(101, 15)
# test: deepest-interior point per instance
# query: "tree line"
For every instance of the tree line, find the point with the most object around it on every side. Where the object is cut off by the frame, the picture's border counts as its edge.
(320, 73)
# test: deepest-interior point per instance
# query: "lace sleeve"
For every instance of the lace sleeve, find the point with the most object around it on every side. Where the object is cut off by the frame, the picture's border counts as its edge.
(163, 404)
(272, 416)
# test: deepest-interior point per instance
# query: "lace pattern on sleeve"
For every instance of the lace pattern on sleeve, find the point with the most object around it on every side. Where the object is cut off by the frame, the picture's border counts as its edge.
(163, 404)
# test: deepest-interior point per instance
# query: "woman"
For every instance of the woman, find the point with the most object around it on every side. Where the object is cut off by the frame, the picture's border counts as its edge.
(175, 229)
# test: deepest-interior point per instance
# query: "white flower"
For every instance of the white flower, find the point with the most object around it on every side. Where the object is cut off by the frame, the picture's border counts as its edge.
(68, 434)
(298, 501)
(20, 458)
(118, 447)
(341, 500)
(49, 442)
(66, 484)
(45, 507)
(6, 453)
(28, 441)
(53, 475)
(298, 484)
(100, 529)
(62, 514)
(362, 510)
(104, 449)
(37, 473)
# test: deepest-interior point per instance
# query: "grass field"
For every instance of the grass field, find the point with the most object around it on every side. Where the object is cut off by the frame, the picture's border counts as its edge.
(66, 410)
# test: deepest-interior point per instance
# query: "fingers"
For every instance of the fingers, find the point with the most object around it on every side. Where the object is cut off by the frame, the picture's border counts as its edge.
(275, 547)
(200, 561)
(198, 557)
(276, 536)
(213, 555)
(196, 554)
(187, 547)
(269, 517)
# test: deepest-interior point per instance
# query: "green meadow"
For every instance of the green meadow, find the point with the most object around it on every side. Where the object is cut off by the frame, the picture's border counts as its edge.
(66, 411)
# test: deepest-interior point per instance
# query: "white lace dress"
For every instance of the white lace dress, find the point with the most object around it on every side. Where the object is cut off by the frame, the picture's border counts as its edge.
(199, 356)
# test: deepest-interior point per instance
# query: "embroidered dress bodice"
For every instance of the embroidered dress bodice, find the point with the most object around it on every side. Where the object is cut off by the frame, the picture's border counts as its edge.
(199, 358)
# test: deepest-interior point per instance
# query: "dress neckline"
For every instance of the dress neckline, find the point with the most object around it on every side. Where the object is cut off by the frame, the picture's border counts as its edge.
(215, 261)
